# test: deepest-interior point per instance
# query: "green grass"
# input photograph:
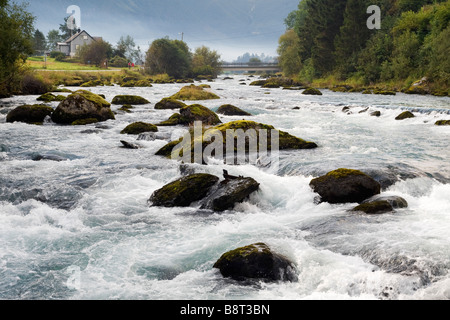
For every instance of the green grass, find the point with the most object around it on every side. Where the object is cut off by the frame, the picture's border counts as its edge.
(38, 63)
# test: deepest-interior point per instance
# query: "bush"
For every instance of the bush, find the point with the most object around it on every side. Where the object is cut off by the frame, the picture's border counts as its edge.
(58, 56)
(118, 62)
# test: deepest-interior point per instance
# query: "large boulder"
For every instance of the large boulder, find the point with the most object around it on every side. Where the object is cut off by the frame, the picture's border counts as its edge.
(312, 91)
(442, 123)
(185, 191)
(230, 110)
(345, 186)
(251, 128)
(129, 99)
(169, 104)
(258, 262)
(82, 105)
(229, 192)
(32, 114)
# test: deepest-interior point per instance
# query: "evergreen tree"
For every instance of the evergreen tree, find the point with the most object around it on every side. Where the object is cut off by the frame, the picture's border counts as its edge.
(39, 42)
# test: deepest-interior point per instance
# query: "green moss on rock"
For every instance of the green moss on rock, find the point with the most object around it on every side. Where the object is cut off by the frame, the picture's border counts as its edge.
(230, 110)
(129, 99)
(405, 115)
(185, 191)
(443, 123)
(312, 91)
(84, 122)
(31, 114)
(138, 128)
(193, 92)
(169, 104)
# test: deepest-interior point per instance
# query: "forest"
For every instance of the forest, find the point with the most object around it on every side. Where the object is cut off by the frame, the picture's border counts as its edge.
(330, 40)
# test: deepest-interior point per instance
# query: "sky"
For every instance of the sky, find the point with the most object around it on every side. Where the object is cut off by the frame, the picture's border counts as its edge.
(232, 27)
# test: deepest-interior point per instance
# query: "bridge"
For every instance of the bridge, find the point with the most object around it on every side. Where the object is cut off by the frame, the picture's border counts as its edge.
(251, 66)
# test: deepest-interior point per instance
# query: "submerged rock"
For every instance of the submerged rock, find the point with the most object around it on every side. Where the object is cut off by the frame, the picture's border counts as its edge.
(129, 99)
(31, 114)
(345, 186)
(229, 192)
(129, 145)
(185, 191)
(82, 105)
(405, 115)
(230, 110)
(381, 204)
(256, 261)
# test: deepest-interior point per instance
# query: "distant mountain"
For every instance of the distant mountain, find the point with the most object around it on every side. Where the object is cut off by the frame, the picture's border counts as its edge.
(231, 27)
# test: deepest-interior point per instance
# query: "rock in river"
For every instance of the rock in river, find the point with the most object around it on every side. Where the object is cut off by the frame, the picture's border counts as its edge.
(345, 186)
(82, 105)
(256, 261)
(29, 114)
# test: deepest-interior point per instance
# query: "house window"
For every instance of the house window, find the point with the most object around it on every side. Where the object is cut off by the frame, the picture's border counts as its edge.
(85, 37)
(77, 47)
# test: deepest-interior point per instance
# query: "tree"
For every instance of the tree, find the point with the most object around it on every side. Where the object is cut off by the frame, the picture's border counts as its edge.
(126, 48)
(206, 62)
(169, 56)
(95, 53)
(289, 53)
(16, 33)
(53, 37)
(39, 42)
(67, 32)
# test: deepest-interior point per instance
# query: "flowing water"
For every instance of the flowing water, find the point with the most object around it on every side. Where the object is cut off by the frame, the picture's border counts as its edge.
(78, 225)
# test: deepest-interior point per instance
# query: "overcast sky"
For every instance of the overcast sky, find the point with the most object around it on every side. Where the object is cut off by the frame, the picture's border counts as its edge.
(232, 27)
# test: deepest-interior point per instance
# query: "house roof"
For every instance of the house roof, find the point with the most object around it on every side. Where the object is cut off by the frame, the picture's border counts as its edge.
(77, 35)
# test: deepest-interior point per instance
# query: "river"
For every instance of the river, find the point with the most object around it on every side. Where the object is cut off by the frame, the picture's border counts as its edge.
(82, 228)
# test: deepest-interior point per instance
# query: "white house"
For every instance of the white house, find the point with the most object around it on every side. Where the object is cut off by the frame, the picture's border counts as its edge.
(75, 42)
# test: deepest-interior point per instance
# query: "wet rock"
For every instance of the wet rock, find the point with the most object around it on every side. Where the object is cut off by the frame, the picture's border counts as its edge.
(129, 99)
(82, 105)
(345, 186)
(376, 114)
(405, 115)
(374, 207)
(129, 145)
(443, 123)
(312, 91)
(256, 261)
(190, 114)
(47, 157)
(230, 110)
(185, 191)
(49, 97)
(194, 92)
(138, 128)
(147, 136)
(32, 114)
(229, 192)
(169, 104)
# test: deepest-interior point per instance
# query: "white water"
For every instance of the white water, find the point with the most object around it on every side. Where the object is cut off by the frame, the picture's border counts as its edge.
(90, 213)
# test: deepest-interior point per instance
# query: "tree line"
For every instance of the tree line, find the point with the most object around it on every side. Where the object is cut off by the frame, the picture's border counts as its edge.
(331, 38)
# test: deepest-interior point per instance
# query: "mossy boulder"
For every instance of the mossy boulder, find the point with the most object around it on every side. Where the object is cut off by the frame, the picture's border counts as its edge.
(345, 186)
(169, 104)
(31, 114)
(230, 110)
(190, 114)
(376, 114)
(92, 83)
(258, 262)
(49, 97)
(443, 123)
(250, 128)
(129, 99)
(405, 115)
(145, 83)
(138, 128)
(193, 92)
(229, 193)
(380, 205)
(185, 191)
(126, 108)
(82, 105)
(312, 91)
